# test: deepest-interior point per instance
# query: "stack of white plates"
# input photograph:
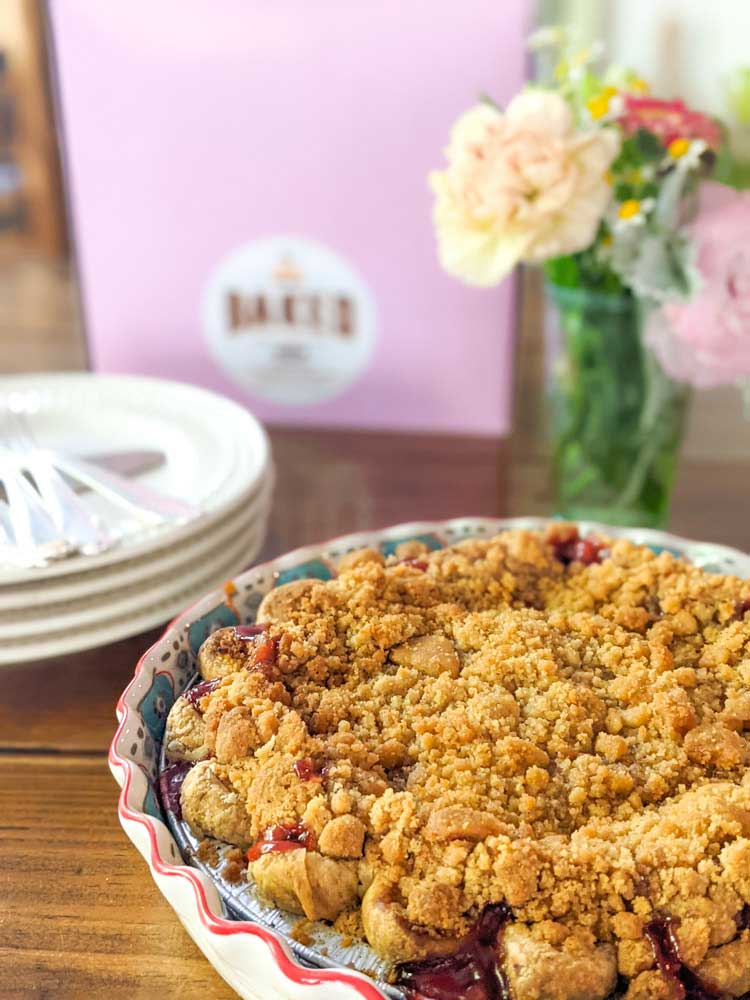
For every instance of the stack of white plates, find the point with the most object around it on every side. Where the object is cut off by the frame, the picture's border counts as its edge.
(215, 456)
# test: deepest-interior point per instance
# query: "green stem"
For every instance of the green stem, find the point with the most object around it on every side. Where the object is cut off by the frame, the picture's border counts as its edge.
(618, 417)
(649, 429)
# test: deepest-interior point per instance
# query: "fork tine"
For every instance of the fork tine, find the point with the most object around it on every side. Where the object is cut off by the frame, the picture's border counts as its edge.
(30, 522)
(32, 532)
(73, 519)
(40, 499)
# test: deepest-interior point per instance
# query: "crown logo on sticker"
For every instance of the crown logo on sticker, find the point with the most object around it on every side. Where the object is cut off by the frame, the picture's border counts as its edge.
(286, 270)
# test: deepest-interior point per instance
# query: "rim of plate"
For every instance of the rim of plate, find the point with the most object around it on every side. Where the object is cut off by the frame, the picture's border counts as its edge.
(251, 464)
(127, 770)
(139, 619)
(196, 566)
(96, 587)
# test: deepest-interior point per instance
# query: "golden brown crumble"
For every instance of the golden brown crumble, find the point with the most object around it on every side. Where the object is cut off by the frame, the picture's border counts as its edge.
(233, 867)
(485, 723)
(208, 852)
(302, 932)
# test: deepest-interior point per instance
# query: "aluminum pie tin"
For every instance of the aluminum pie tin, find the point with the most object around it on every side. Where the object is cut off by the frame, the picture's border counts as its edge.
(242, 901)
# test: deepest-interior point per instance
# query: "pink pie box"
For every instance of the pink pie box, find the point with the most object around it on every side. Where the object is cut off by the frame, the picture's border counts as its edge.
(248, 191)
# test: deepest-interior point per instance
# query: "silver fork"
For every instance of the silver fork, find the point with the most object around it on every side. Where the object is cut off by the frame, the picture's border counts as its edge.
(30, 514)
(30, 536)
(136, 497)
(52, 515)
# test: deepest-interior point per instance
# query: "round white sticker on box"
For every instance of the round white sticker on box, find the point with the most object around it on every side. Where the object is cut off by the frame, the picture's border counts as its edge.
(289, 320)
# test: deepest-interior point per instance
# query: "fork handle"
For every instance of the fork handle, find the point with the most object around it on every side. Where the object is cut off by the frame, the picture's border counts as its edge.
(134, 496)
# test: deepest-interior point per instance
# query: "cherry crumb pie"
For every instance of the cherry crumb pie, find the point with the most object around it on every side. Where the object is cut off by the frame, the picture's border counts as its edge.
(518, 767)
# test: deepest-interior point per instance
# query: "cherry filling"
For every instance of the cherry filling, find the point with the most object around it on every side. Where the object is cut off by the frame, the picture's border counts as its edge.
(416, 563)
(309, 770)
(266, 647)
(472, 972)
(282, 837)
(170, 786)
(266, 652)
(194, 695)
(576, 549)
(741, 607)
(686, 983)
(250, 631)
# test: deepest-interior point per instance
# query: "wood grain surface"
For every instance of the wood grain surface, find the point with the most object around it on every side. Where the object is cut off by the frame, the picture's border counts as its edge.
(79, 914)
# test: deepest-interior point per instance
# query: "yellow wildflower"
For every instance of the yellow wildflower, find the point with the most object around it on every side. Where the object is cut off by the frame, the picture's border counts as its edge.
(599, 105)
(631, 213)
(629, 208)
(678, 147)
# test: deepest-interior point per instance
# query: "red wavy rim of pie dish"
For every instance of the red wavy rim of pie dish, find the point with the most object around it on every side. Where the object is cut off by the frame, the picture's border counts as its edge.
(213, 923)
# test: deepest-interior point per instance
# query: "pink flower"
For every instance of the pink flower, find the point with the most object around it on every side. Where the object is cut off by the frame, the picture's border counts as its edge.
(706, 341)
(524, 184)
(668, 120)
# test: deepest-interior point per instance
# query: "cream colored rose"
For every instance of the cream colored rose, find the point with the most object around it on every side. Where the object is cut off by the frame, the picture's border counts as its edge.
(520, 186)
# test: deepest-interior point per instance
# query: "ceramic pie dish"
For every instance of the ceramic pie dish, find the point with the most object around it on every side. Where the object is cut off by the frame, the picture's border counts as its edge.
(255, 959)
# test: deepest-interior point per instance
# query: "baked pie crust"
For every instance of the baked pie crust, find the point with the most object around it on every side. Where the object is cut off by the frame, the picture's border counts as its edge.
(532, 747)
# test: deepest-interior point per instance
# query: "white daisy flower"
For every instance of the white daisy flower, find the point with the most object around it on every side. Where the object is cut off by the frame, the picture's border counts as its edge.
(685, 154)
(605, 106)
(632, 213)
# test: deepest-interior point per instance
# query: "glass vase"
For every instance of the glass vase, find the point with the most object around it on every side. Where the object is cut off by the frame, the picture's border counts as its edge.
(617, 419)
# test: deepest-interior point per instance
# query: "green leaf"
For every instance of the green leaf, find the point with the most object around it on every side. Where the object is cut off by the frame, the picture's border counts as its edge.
(624, 191)
(563, 271)
(587, 269)
(648, 145)
(628, 157)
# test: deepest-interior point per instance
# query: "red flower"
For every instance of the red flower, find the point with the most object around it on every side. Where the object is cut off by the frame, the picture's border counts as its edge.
(668, 120)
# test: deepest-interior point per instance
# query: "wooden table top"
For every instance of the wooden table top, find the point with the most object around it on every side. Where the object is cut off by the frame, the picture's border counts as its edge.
(79, 914)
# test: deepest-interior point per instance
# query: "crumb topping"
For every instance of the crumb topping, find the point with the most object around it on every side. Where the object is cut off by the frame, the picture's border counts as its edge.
(493, 722)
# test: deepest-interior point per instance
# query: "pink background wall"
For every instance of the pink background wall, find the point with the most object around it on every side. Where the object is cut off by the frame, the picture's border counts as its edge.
(194, 126)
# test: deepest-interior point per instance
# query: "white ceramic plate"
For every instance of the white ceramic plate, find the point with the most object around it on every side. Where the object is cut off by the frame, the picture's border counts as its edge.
(52, 596)
(254, 959)
(154, 611)
(216, 451)
(198, 562)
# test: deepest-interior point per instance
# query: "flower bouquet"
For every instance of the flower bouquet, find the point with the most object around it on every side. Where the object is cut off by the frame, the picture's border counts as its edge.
(590, 176)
